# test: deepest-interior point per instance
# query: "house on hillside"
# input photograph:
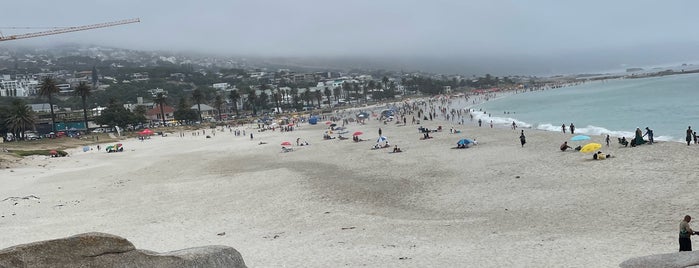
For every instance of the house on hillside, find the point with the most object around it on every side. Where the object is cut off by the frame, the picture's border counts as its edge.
(207, 111)
(155, 116)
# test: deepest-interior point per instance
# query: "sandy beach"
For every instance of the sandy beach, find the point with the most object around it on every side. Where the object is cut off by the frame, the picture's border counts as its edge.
(338, 203)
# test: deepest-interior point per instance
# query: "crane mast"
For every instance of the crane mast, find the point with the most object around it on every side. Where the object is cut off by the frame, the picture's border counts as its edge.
(69, 29)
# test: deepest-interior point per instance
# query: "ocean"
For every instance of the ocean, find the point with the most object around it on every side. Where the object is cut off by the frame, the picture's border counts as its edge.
(616, 107)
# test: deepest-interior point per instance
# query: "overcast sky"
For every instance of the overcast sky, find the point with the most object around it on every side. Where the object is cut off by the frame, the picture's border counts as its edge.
(390, 28)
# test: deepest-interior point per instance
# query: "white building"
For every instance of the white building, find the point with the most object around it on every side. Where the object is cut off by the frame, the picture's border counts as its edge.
(17, 88)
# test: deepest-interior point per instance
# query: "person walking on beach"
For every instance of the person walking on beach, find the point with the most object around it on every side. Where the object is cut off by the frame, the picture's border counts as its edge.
(688, 138)
(572, 128)
(251, 136)
(379, 132)
(685, 233)
(480, 122)
(607, 140)
(563, 127)
(522, 138)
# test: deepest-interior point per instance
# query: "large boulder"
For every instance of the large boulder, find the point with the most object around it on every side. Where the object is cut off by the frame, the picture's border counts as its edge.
(670, 260)
(105, 250)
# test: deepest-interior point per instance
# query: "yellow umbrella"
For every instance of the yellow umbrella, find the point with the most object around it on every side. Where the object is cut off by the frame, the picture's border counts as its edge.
(590, 147)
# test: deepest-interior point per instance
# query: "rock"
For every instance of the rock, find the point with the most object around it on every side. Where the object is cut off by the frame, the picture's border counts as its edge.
(670, 260)
(106, 250)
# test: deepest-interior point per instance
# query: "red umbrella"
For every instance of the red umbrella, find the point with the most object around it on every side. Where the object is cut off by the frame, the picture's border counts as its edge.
(357, 133)
(286, 143)
(328, 123)
(53, 152)
(146, 132)
(291, 124)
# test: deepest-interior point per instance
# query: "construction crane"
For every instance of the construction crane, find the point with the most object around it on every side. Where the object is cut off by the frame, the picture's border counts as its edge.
(68, 29)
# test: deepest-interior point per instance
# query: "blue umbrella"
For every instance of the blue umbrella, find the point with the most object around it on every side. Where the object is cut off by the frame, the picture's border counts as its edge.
(382, 138)
(464, 141)
(580, 138)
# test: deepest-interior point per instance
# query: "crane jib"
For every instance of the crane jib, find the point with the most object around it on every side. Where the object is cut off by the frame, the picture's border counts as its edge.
(69, 29)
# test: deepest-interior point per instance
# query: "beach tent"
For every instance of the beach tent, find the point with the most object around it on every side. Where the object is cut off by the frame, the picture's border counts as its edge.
(313, 120)
(464, 142)
(382, 139)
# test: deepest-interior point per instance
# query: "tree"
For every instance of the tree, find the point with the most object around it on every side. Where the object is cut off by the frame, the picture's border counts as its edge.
(47, 89)
(295, 95)
(83, 90)
(184, 113)
(277, 100)
(235, 96)
(218, 102)
(384, 80)
(262, 100)
(161, 100)
(307, 97)
(116, 115)
(336, 92)
(347, 87)
(198, 97)
(327, 94)
(252, 100)
(20, 118)
(319, 96)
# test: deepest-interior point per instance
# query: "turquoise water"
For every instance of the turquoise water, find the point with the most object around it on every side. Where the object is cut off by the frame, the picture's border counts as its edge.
(616, 107)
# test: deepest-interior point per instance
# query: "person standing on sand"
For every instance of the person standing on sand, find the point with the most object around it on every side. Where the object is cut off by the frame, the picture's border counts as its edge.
(649, 132)
(607, 140)
(379, 132)
(685, 233)
(563, 127)
(688, 138)
(480, 122)
(250, 135)
(572, 128)
(522, 138)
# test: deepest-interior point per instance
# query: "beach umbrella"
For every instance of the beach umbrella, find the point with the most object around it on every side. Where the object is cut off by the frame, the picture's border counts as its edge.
(464, 141)
(580, 138)
(146, 132)
(328, 122)
(286, 143)
(290, 124)
(590, 147)
(363, 115)
(53, 152)
(382, 139)
(357, 133)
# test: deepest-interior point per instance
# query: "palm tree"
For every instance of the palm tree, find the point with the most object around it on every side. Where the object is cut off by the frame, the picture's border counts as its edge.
(161, 100)
(277, 100)
(295, 95)
(235, 96)
(327, 94)
(83, 90)
(306, 96)
(252, 99)
(336, 92)
(218, 102)
(198, 97)
(47, 89)
(20, 118)
(347, 87)
(319, 96)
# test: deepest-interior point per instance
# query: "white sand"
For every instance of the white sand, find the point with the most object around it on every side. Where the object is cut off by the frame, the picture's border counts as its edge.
(337, 203)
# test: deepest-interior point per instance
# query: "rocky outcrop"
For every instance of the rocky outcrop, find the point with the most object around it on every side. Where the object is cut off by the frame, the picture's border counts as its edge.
(105, 250)
(670, 260)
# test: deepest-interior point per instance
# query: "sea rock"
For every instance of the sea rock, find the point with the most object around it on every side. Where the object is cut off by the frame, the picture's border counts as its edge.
(670, 260)
(106, 250)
